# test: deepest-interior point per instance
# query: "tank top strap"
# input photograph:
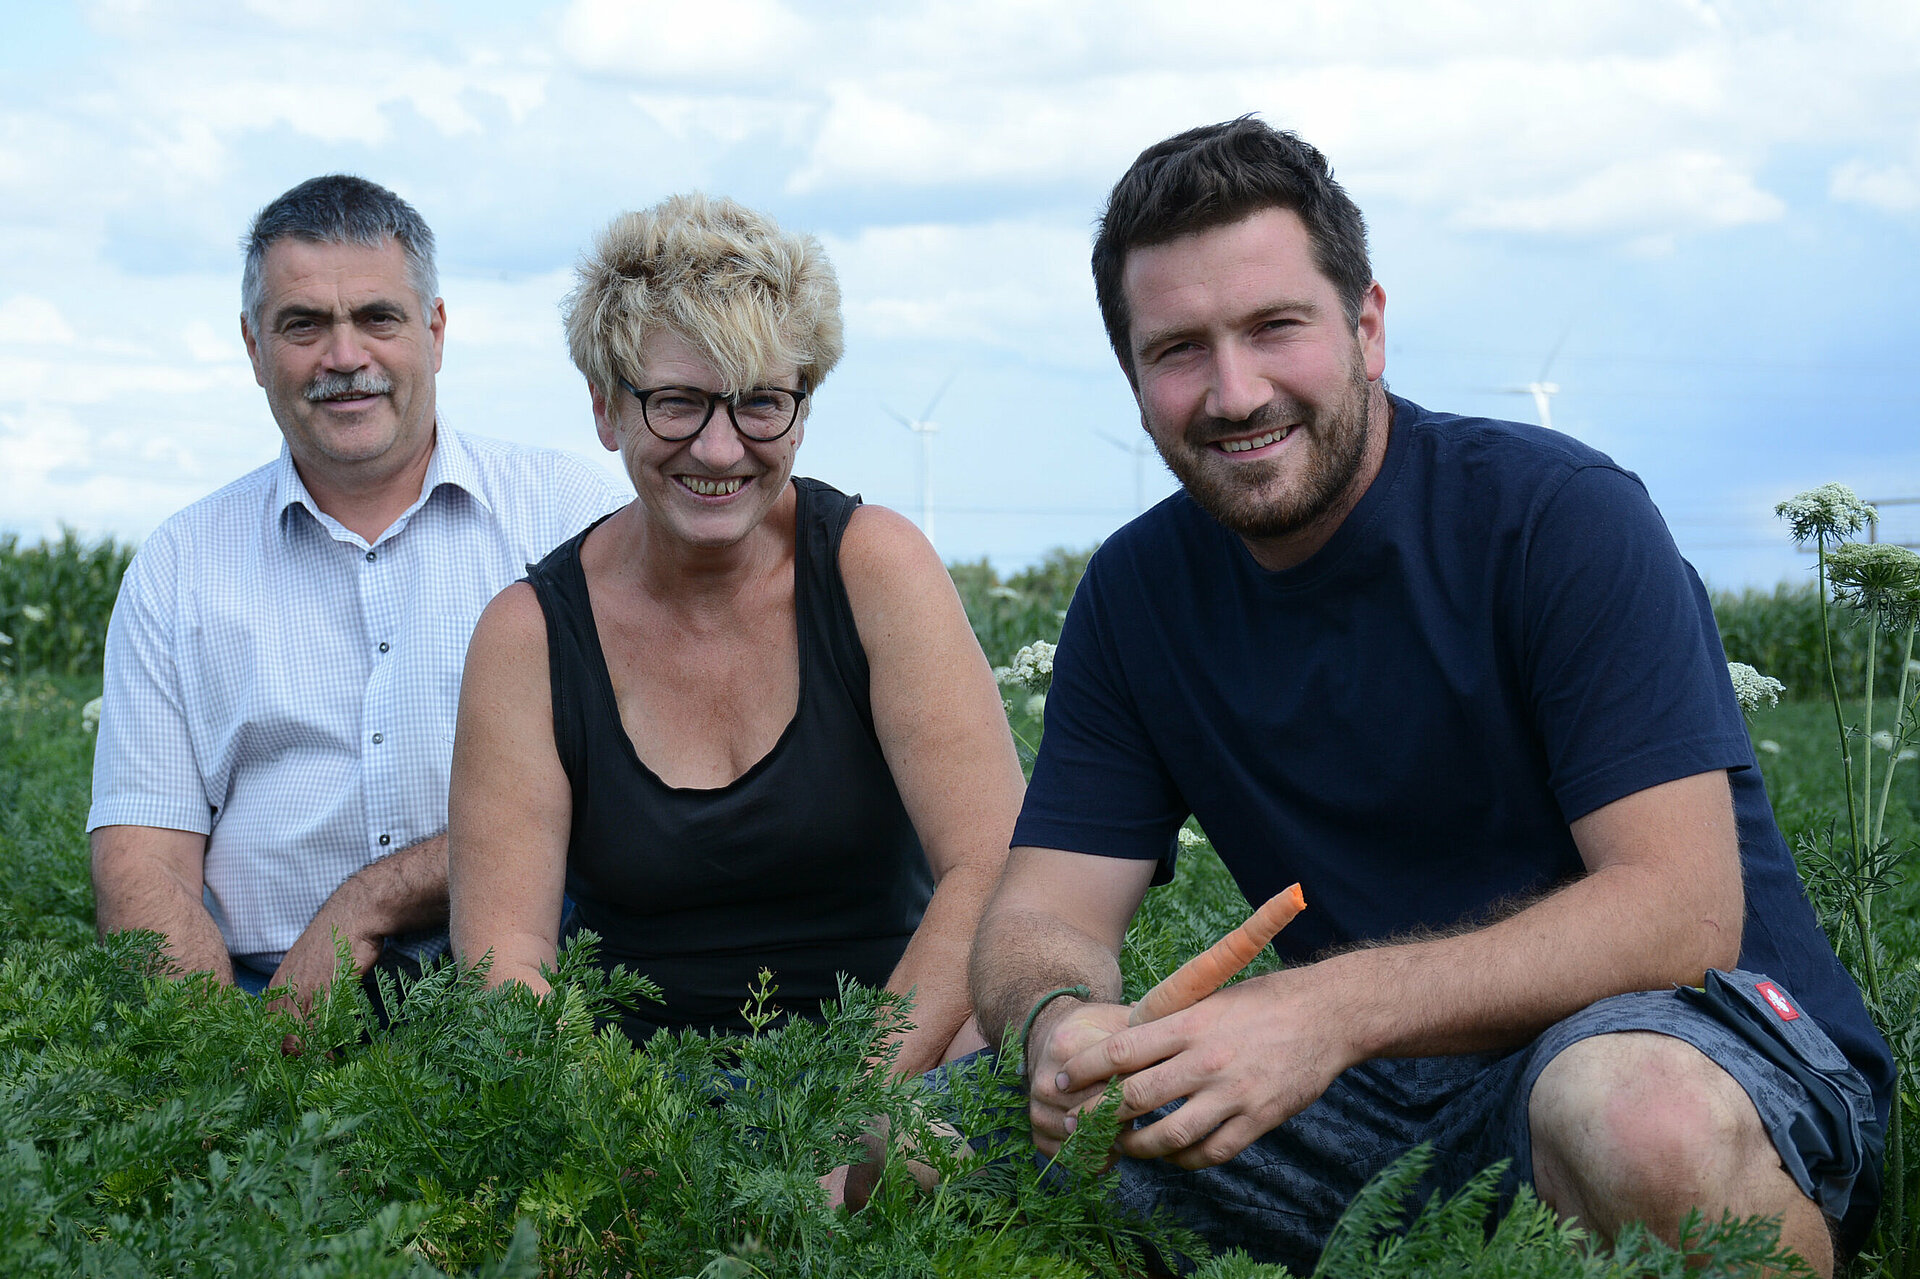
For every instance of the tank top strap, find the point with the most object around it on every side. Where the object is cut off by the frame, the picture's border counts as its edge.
(825, 614)
(573, 648)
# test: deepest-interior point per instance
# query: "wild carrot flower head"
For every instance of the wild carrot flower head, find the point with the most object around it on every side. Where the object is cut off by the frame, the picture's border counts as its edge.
(1754, 689)
(1033, 667)
(1832, 511)
(1877, 576)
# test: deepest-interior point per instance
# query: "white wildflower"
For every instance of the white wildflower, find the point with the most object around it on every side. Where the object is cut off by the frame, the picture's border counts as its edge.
(1003, 593)
(1830, 511)
(1033, 667)
(1769, 746)
(1752, 688)
(90, 715)
(1908, 754)
(1190, 838)
(1037, 706)
(1883, 739)
(1001, 674)
(6, 639)
(33, 612)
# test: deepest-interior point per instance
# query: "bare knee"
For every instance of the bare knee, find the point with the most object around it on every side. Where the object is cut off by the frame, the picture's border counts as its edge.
(1644, 1127)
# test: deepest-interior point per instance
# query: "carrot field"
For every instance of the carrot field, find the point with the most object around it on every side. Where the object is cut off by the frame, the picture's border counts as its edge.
(154, 1126)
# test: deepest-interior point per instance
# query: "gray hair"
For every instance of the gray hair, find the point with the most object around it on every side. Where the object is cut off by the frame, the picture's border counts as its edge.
(339, 209)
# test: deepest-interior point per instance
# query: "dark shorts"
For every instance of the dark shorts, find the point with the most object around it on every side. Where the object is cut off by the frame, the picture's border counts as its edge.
(1279, 1199)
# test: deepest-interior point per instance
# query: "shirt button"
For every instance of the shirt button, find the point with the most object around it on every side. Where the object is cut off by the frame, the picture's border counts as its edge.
(383, 646)
(372, 555)
(385, 840)
(378, 738)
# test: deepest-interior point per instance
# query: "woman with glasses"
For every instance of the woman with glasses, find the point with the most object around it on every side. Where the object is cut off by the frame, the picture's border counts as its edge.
(742, 722)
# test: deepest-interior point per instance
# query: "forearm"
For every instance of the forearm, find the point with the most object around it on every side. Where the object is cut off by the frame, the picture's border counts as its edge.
(146, 878)
(933, 967)
(401, 893)
(1021, 953)
(1622, 928)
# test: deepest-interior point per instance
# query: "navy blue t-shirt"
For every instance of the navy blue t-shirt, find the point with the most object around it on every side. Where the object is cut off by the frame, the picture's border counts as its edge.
(1499, 639)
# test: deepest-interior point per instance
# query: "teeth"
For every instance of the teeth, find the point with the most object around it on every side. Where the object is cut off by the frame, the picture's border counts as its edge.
(1258, 441)
(712, 488)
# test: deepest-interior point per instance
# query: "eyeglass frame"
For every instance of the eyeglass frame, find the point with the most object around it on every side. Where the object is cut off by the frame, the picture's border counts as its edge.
(714, 399)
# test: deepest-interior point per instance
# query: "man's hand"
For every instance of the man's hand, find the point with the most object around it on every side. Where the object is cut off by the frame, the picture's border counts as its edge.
(1067, 1030)
(311, 961)
(1246, 1059)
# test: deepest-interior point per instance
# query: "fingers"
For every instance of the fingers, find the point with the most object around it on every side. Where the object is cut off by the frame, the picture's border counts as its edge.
(1127, 1052)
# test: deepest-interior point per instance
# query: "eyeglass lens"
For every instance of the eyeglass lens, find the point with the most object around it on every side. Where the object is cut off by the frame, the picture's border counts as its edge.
(677, 413)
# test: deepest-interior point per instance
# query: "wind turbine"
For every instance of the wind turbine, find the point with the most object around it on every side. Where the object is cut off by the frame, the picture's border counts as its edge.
(1141, 450)
(924, 426)
(1540, 389)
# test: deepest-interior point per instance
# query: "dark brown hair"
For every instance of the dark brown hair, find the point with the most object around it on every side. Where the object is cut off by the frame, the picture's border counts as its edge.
(1212, 177)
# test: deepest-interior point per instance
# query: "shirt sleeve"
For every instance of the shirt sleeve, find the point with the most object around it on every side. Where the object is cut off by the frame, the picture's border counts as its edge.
(1099, 785)
(1625, 670)
(145, 771)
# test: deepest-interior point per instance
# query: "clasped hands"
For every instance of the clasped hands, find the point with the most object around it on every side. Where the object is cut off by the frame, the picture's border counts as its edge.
(1244, 1059)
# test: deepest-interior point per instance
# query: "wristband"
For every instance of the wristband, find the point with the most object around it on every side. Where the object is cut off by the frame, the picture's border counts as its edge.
(1078, 992)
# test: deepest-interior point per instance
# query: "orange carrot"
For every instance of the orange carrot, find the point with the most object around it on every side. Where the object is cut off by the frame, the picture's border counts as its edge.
(1215, 966)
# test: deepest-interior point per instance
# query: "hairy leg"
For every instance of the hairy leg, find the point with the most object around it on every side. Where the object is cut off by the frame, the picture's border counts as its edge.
(1638, 1126)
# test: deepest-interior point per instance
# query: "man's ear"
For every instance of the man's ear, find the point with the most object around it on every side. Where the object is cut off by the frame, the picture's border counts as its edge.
(437, 325)
(1372, 330)
(253, 350)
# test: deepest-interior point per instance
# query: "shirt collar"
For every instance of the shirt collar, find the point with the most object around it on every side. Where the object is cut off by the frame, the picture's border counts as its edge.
(451, 463)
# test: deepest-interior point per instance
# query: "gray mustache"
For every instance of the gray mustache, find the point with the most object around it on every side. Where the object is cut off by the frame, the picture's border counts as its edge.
(326, 386)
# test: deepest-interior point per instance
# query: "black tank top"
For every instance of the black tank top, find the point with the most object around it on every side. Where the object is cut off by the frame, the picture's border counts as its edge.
(806, 864)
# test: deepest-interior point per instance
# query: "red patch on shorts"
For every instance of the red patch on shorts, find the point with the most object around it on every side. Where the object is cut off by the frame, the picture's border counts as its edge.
(1778, 1001)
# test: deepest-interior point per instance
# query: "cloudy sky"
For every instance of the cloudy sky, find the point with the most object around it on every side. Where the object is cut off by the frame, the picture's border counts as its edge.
(1698, 219)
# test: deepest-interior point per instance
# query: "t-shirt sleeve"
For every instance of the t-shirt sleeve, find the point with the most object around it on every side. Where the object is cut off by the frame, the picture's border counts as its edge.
(1625, 670)
(1099, 785)
(145, 771)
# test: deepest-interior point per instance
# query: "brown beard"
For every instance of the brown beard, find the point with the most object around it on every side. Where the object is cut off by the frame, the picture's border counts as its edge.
(1340, 434)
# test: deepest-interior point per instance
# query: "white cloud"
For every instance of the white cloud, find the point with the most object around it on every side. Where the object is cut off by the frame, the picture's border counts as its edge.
(1019, 286)
(26, 320)
(1653, 195)
(714, 42)
(1894, 188)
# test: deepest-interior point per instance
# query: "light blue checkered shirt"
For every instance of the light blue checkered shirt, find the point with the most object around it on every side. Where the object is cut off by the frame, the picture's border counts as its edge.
(277, 684)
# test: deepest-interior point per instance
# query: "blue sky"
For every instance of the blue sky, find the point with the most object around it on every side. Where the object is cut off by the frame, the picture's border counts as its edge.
(1704, 214)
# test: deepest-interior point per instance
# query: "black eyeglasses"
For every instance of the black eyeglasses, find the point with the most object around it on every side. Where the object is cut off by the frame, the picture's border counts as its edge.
(677, 413)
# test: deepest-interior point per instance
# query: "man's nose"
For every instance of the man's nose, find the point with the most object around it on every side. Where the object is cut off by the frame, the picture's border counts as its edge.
(1239, 389)
(344, 350)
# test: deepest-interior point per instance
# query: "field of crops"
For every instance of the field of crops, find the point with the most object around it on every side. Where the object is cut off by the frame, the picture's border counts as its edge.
(150, 1126)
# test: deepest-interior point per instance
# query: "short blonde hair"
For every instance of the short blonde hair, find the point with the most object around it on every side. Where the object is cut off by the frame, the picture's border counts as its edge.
(727, 280)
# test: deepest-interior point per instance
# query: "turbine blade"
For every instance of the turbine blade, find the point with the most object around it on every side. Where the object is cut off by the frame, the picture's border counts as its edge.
(928, 411)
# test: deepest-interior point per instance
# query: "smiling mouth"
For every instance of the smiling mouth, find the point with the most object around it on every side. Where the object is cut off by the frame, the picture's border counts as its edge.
(1255, 442)
(712, 488)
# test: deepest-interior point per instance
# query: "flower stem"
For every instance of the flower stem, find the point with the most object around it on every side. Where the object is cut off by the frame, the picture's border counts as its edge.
(1879, 817)
(1866, 730)
(1833, 688)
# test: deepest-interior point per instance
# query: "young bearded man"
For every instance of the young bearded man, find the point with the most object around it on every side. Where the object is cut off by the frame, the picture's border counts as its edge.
(1451, 675)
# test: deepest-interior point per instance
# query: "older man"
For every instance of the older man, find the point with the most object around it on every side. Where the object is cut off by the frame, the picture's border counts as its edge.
(284, 659)
(1453, 676)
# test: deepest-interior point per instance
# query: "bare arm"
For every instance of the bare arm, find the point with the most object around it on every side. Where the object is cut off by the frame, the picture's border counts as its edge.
(944, 733)
(510, 805)
(1057, 919)
(399, 893)
(1662, 902)
(151, 877)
